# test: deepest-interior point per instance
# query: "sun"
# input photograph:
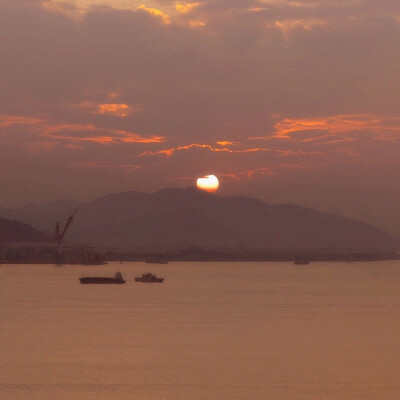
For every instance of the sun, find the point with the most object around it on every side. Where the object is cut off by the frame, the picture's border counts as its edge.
(209, 183)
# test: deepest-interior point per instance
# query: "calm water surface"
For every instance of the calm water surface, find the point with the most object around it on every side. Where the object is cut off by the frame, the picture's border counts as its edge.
(222, 331)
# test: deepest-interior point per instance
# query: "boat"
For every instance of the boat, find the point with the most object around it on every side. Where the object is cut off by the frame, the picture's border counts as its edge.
(301, 261)
(156, 260)
(94, 259)
(100, 279)
(90, 257)
(148, 278)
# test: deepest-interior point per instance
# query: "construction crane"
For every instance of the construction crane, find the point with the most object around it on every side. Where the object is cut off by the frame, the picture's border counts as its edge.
(60, 232)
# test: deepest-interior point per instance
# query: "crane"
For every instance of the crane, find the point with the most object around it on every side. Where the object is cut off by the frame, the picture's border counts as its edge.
(59, 234)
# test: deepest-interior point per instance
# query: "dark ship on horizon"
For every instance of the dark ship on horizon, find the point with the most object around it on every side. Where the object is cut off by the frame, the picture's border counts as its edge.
(118, 279)
(157, 260)
(149, 278)
(301, 261)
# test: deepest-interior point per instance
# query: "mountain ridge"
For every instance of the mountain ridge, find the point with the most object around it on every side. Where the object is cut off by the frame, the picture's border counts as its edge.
(173, 217)
(12, 231)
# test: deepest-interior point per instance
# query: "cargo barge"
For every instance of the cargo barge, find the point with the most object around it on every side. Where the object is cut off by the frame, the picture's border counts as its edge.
(103, 280)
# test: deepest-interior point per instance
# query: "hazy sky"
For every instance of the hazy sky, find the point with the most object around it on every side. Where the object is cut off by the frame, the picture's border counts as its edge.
(289, 101)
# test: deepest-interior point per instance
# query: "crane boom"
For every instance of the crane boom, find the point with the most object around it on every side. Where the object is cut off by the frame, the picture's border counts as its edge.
(69, 222)
(58, 235)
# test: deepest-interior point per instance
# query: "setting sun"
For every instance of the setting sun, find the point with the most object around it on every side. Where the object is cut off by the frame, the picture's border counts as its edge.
(209, 183)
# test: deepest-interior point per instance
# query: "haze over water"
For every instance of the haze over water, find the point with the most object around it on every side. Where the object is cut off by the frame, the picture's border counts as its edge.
(211, 331)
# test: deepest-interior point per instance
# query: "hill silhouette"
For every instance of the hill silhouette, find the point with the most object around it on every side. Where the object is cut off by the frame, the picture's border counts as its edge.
(173, 218)
(18, 232)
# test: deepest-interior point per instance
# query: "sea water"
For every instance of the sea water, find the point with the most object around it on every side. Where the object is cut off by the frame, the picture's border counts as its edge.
(225, 331)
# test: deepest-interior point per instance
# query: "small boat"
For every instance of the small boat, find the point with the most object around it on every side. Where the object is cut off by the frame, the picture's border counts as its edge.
(99, 279)
(148, 278)
(301, 261)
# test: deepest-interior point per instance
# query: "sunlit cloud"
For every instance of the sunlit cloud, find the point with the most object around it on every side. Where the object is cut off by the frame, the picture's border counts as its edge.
(118, 110)
(62, 7)
(51, 129)
(272, 165)
(113, 136)
(129, 137)
(112, 109)
(185, 8)
(169, 152)
(257, 9)
(73, 132)
(287, 26)
(225, 143)
(219, 88)
(382, 128)
(7, 121)
(156, 12)
(263, 171)
(310, 4)
(194, 24)
(113, 95)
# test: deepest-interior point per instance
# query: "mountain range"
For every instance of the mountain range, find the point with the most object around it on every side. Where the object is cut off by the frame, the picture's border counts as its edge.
(173, 218)
(18, 232)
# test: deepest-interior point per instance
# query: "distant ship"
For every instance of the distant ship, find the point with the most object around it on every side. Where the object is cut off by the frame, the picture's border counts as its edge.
(96, 279)
(148, 278)
(157, 260)
(96, 261)
(301, 261)
(91, 258)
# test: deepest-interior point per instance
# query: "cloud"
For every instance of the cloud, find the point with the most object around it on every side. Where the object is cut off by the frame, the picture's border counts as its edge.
(264, 171)
(169, 152)
(118, 110)
(143, 95)
(154, 11)
(186, 8)
(37, 128)
(338, 127)
(63, 7)
(225, 143)
(7, 121)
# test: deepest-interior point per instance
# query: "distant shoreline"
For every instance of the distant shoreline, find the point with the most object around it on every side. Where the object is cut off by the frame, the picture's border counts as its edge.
(166, 257)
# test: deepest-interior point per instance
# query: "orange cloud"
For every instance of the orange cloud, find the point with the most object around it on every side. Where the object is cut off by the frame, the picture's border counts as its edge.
(118, 110)
(382, 128)
(257, 172)
(130, 137)
(75, 132)
(256, 9)
(50, 129)
(114, 136)
(154, 11)
(115, 109)
(335, 124)
(60, 7)
(10, 120)
(225, 143)
(194, 23)
(287, 26)
(185, 8)
(169, 152)
(172, 150)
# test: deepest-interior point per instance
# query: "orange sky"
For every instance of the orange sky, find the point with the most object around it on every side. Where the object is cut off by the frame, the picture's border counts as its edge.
(285, 101)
